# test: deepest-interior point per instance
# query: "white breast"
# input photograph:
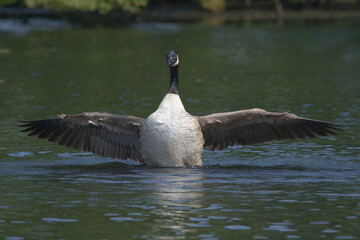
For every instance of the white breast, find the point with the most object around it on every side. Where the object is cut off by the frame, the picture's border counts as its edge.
(171, 137)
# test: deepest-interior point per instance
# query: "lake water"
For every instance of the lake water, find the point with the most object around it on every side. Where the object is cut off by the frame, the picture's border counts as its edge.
(304, 189)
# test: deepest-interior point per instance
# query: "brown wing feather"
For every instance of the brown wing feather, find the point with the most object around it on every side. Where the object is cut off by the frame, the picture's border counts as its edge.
(252, 126)
(108, 135)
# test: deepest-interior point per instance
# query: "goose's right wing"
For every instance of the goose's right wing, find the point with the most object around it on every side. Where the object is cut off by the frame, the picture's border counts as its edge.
(104, 134)
(246, 127)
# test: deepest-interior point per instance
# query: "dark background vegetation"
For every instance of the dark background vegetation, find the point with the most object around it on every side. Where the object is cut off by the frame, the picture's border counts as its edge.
(133, 6)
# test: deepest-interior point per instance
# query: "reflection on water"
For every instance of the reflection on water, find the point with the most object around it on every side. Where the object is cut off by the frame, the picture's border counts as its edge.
(208, 202)
(22, 27)
(176, 193)
(306, 189)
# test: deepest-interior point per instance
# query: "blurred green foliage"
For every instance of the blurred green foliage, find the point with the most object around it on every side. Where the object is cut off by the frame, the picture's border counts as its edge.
(213, 5)
(7, 2)
(104, 6)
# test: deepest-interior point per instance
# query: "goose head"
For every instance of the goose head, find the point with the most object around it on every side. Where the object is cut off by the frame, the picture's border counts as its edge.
(172, 58)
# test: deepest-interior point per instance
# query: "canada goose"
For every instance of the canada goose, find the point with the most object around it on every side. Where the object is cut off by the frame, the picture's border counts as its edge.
(171, 137)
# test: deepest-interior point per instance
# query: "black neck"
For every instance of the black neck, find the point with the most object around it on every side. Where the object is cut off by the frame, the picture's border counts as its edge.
(174, 80)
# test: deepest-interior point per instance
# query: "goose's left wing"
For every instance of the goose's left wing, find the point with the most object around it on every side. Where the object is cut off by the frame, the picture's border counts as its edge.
(104, 134)
(246, 127)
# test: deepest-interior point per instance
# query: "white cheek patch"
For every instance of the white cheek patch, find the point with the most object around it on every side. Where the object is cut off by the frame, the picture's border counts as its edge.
(177, 62)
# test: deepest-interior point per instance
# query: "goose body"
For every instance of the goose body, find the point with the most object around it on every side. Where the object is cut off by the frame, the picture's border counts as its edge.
(171, 137)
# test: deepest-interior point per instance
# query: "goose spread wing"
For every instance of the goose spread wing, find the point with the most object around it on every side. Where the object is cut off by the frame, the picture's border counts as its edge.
(246, 127)
(104, 134)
